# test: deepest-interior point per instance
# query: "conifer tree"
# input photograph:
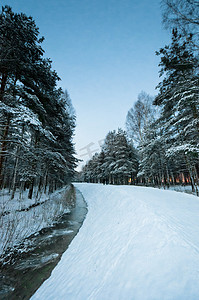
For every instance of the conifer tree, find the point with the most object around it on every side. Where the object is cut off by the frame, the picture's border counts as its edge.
(178, 99)
(36, 118)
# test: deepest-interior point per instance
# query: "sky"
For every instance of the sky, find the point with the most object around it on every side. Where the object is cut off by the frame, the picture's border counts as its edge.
(104, 52)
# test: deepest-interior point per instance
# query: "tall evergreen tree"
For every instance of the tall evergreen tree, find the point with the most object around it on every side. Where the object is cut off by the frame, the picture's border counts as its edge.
(178, 98)
(115, 164)
(37, 120)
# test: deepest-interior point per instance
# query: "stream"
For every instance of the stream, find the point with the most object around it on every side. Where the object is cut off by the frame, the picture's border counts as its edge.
(29, 270)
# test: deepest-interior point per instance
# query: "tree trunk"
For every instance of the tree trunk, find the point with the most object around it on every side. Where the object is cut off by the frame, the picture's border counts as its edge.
(45, 181)
(3, 85)
(190, 172)
(15, 176)
(22, 185)
(3, 149)
(50, 191)
(16, 165)
(168, 179)
(39, 190)
(31, 189)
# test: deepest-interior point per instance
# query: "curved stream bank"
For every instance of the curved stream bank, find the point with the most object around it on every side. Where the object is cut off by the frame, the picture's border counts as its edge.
(21, 279)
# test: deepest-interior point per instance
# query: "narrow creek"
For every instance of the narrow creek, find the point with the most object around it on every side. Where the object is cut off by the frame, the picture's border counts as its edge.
(28, 271)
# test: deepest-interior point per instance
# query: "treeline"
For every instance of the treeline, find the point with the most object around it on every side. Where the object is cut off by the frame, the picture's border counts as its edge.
(117, 162)
(165, 128)
(37, 119)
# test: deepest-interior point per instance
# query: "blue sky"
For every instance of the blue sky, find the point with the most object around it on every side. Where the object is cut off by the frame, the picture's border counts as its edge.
(104, 52)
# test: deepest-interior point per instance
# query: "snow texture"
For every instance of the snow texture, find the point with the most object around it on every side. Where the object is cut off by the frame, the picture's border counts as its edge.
(18, 220)
(136, 243)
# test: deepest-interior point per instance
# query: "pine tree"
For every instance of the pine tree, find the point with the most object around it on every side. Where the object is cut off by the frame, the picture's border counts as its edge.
(178, 99)
(37, 119)
(115, 164)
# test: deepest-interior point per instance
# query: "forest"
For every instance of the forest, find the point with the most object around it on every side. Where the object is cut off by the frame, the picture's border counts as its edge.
(149, 235)
(160, 146)
(37, 119)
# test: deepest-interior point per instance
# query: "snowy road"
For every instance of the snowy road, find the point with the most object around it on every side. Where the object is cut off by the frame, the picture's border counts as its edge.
(136, 244)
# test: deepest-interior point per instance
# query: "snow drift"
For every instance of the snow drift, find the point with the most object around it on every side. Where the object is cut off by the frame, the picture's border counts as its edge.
(136, 243)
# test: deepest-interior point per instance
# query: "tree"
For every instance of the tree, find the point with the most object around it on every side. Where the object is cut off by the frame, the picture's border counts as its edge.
(178, 99)
(115, 164)
(20, 50)
(125, 166)
(184, 15)
(37, 118)
(139, 117)
(20, 54)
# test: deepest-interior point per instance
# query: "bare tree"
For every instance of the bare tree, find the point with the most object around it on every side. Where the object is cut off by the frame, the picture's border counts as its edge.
(139, 117)
(184, 15)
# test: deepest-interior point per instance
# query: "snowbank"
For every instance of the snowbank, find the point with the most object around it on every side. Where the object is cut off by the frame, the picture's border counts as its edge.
(136, 243)
(20, 218)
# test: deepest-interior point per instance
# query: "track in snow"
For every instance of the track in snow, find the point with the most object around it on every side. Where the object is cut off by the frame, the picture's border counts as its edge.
(136, 243)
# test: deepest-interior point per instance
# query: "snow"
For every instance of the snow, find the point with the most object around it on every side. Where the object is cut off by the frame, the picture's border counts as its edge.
(180, 188)
(136, 243)
(18, 219)
(185, 148)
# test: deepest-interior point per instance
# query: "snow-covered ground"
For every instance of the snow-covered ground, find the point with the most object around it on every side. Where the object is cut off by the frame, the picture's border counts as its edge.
(19, 218)
(136, 243)
(181, 188)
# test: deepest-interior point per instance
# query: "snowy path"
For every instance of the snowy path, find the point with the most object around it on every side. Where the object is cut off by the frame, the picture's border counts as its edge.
(136, 244)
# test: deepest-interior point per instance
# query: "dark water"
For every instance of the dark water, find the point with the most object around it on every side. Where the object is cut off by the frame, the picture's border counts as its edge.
(28, 270)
